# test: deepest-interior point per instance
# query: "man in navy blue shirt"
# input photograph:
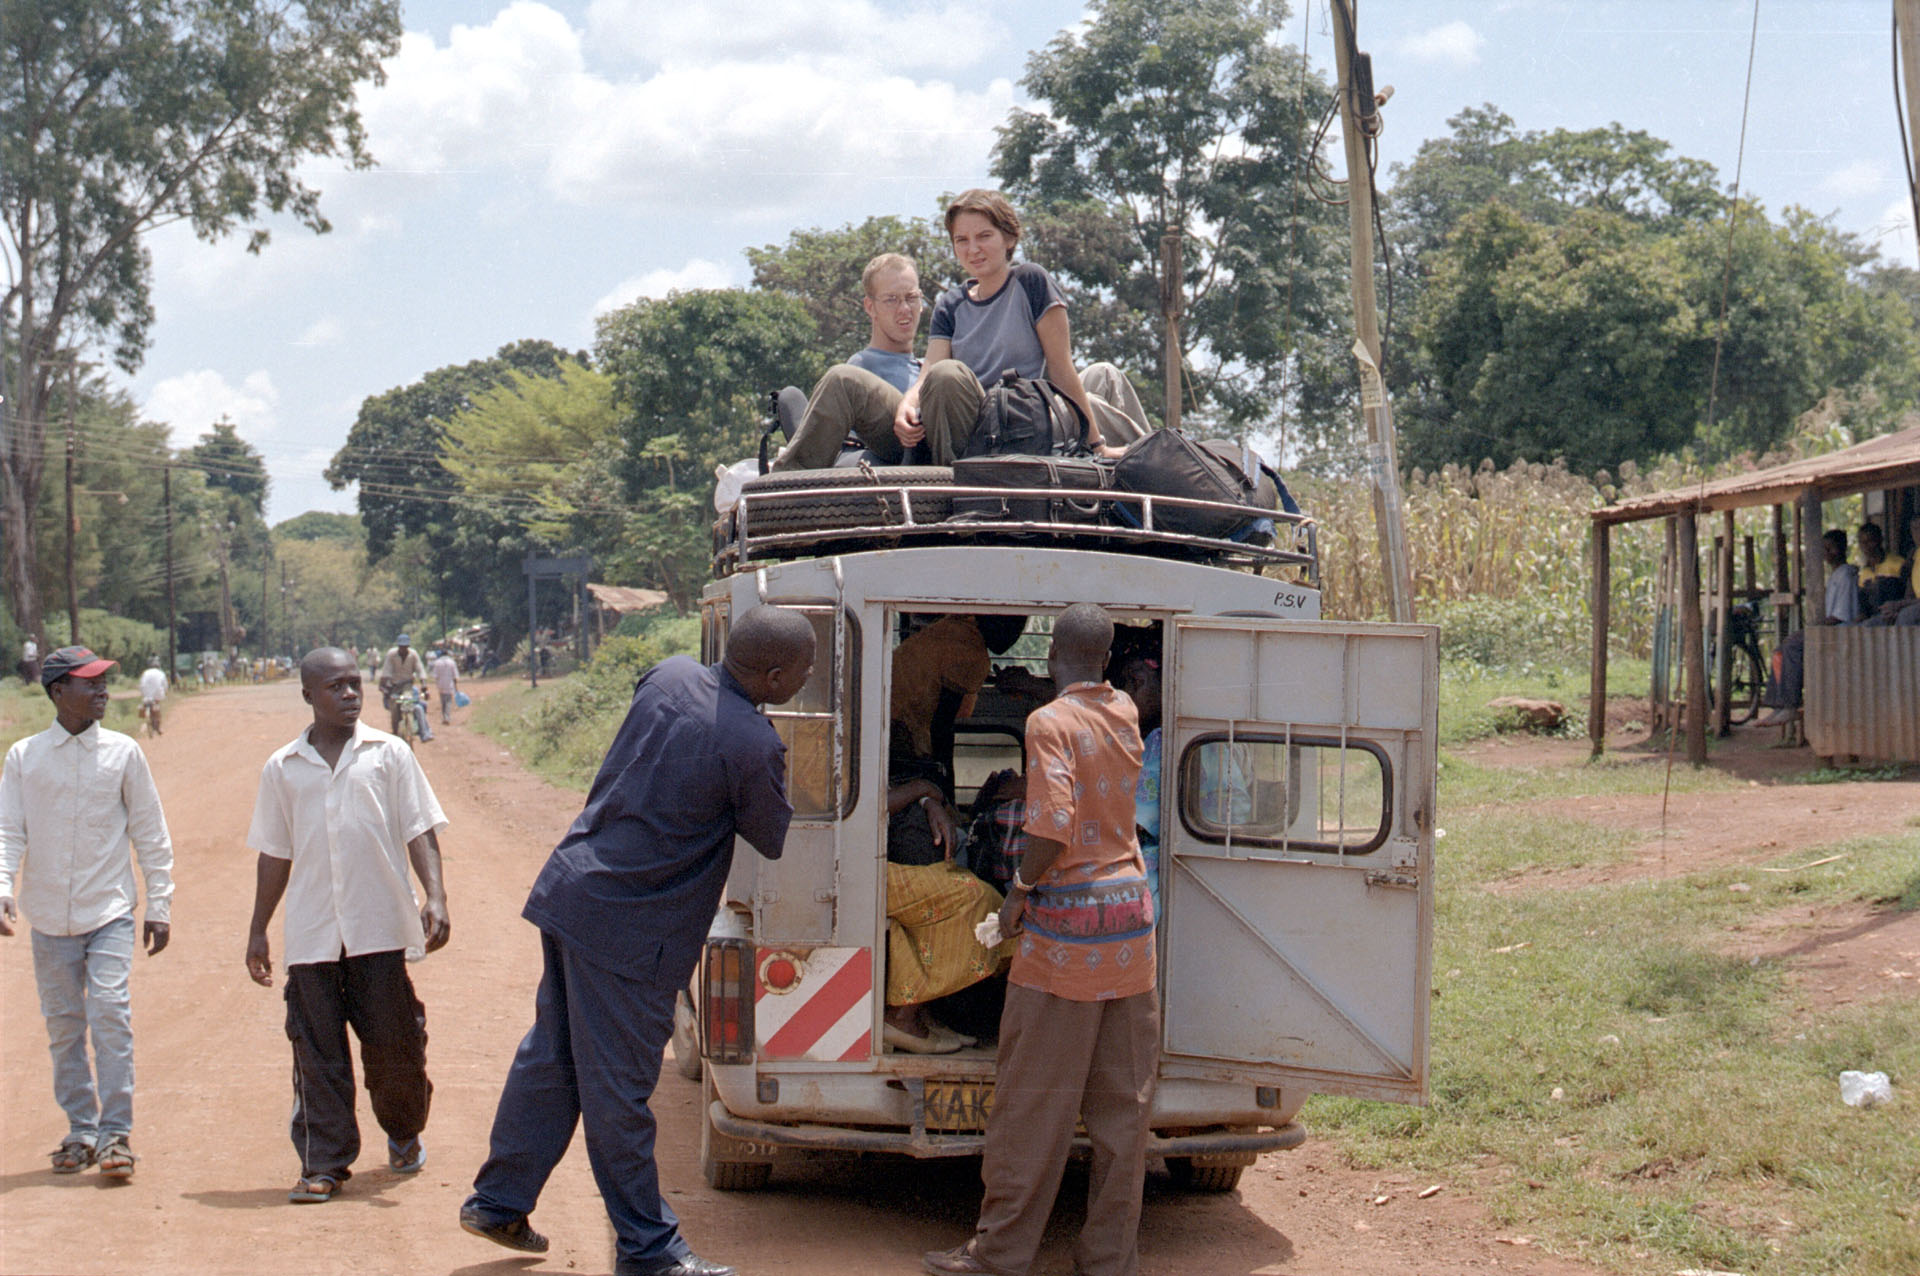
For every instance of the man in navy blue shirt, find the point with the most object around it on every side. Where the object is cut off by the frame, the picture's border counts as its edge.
(623, 906)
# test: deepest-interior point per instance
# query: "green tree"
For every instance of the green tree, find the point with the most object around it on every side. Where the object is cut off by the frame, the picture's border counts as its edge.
(691, 375)
(1180, 115)
(120, 115)
(821, 270)
(533, 451)
(232, 465)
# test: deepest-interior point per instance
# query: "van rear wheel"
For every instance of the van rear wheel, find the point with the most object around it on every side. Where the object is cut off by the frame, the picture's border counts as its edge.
(724, 1174)
(1203, 1178)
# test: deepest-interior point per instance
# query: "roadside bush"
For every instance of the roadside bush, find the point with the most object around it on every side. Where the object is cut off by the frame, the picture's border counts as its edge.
(115, 637)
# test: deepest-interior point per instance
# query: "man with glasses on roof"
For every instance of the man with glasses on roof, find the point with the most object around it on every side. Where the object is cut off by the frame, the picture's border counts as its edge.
(859, 396)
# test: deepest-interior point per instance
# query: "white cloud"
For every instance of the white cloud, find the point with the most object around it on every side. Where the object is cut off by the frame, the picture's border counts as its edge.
(324, 331)
(697, 273)
(193, 401)
(757, 125)
(887, 37)
(1892, 233)
(1863, 177)
(1454, 44)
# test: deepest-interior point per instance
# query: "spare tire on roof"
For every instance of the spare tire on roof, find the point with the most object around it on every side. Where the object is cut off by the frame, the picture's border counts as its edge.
(832, 500)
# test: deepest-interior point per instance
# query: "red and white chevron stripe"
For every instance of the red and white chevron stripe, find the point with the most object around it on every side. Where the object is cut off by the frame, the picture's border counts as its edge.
(819, 1005)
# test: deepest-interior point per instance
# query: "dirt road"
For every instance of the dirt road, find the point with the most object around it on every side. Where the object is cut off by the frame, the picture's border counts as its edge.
(213, 1097)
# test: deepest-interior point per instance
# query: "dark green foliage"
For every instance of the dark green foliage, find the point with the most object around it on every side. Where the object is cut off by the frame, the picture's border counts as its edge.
(821, 270)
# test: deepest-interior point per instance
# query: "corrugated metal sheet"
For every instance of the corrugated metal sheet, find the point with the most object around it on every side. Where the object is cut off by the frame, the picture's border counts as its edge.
(1892, 460)
(1863, 692)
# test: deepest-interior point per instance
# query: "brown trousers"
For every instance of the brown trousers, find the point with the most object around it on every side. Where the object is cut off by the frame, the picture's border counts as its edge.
(1063, 1062)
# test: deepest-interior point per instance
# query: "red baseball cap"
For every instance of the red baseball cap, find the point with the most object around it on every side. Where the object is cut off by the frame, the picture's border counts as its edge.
(74, 662)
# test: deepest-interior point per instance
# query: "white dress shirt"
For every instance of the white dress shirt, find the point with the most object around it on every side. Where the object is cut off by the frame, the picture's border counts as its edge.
(346, 830)
(153, 685)
(445, 674)
(69, 807)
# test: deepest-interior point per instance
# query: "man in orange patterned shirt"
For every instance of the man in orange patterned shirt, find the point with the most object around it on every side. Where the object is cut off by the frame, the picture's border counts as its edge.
(1079, 1040)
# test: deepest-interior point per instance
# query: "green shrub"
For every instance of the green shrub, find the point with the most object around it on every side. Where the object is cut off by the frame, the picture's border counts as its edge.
(131, 642)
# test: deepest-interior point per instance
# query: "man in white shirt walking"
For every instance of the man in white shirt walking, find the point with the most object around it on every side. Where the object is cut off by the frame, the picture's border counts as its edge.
(153, 689)
(446, 679)
(342, 810)
(72, 799)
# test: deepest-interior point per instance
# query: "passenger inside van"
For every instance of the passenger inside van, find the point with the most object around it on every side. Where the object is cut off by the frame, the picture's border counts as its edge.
(938, 671)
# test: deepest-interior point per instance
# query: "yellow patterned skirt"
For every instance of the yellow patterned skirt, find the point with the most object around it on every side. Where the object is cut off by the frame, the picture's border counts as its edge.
(931, 912)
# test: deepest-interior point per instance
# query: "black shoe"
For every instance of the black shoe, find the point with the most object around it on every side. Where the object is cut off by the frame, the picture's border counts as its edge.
(515, 1233)
(691, 1265)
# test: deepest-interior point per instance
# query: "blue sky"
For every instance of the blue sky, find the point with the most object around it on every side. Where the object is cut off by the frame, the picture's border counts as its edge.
(546, 159)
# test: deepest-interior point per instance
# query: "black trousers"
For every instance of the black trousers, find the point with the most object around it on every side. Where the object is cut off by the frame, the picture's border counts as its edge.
(374, 995)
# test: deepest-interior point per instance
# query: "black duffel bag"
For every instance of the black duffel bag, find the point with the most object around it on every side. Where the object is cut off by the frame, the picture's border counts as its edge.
(1075, 484)
(1168, 463)
(1024, 417)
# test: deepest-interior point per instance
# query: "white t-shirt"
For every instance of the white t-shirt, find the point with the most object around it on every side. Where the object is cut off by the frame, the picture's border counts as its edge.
(153, 685)
(346, 831)
(445, 674)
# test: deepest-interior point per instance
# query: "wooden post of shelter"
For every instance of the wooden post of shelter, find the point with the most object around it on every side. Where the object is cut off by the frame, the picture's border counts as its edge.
(1723, 627)
(1670, 601)
(1782, 574)
(1692, 639)
(1813, 564)
(1602, 593)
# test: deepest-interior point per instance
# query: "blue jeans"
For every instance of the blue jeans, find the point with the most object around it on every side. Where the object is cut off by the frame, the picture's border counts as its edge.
(83, 988)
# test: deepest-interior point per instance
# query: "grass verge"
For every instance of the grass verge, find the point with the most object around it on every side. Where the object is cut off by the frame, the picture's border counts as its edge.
(1615, 1082)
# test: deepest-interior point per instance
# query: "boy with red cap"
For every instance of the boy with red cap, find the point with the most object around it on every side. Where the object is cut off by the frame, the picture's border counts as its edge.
(72, 798)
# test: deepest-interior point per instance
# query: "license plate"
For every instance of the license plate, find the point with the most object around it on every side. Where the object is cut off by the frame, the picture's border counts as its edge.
(958, 1105)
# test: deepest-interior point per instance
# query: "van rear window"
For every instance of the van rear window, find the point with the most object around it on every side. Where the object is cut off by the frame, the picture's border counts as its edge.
(1298, 793)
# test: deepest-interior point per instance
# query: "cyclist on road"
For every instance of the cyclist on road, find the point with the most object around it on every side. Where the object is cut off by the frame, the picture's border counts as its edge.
(153, 689)
(400, 672)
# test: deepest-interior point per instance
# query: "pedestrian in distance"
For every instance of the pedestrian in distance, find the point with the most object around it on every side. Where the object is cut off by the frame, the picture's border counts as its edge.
(400, 673)
(153, 689)
(342, 811)
(1079, 1039)
(446, 680)
(623, 906)
(73, 798)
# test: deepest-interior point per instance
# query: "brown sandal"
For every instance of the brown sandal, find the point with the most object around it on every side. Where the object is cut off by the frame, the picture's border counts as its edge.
(115, 1158)
(72, 1156)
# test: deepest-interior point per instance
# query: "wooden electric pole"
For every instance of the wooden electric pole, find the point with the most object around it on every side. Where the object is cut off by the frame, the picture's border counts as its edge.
(1359, 122)
(1906, 22)
(173, 619)
(73, 525)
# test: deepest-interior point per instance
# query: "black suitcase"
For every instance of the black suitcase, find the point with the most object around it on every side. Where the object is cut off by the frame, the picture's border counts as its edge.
(1077, 480)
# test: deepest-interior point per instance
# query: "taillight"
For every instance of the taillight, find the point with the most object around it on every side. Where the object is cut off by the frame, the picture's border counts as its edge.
(726, 994)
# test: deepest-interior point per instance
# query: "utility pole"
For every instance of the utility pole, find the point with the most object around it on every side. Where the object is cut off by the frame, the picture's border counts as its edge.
(73, 522)
(1906, 22)
(1172, 301)
(173, 619)
(265, 559)
(1360, 122)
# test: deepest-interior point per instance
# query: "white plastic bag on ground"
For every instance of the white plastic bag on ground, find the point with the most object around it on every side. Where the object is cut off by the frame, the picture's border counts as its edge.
(728, 480)
(1865, 1089)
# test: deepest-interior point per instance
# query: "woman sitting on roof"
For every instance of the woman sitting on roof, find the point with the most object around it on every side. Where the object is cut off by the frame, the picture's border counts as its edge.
(1007, 315)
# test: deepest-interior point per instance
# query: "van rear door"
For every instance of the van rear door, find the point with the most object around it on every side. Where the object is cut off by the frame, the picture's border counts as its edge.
(1297, 800)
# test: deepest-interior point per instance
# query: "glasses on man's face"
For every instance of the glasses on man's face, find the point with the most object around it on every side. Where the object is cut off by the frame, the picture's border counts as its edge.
(901, 300)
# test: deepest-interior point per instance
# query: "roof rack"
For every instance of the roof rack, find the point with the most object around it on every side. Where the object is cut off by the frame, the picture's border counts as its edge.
(881, 515)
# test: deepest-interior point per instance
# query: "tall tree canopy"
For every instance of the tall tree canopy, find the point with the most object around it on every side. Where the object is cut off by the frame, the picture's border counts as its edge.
(120, 115)
(821, 270)
(1188, 116)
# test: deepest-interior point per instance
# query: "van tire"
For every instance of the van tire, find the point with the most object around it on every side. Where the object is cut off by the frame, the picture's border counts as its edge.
(725, 1175)
(855, 503)
(1203, 1178)
(686, 1038)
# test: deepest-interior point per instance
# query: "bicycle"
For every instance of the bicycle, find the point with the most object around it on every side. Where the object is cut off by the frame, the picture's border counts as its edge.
(1748, 680)
(409, 705)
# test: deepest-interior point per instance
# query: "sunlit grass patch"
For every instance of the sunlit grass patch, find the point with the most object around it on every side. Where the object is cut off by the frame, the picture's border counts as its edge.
(1615, 1080)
